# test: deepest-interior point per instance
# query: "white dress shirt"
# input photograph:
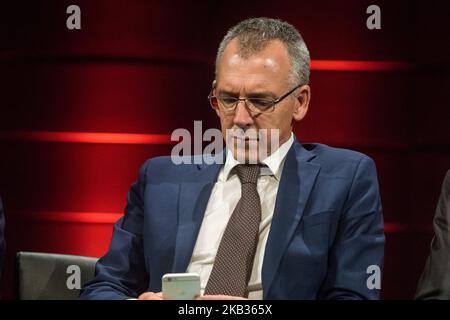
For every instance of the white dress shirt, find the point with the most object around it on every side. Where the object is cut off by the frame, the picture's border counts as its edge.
(224, 198)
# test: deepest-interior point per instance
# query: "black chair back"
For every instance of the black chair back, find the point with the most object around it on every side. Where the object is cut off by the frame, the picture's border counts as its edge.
(47, 276)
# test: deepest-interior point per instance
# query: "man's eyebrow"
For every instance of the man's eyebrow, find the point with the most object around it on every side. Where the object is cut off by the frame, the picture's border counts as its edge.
(228, 93)
(261, 94)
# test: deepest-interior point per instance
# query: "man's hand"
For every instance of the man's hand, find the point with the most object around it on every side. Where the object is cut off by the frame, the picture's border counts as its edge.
(151, 296)
(219, 297)
(159, 296)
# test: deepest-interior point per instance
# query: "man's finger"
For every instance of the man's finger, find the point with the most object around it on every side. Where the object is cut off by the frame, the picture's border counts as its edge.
(219, 297)
(151, 296)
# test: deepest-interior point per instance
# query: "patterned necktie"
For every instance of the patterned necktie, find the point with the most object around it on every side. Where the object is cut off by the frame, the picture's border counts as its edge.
(234, 260)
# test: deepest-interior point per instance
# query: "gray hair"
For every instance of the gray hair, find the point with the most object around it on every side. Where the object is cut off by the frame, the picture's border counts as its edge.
(255, 33)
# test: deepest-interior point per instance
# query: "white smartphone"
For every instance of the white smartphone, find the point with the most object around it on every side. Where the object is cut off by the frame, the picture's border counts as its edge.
(180, 286)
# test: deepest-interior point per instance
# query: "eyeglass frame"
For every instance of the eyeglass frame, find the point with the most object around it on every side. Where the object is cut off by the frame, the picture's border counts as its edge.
(272, 107)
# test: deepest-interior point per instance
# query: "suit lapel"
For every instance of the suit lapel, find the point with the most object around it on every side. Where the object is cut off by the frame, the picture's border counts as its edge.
(296, 183)
(195, 191)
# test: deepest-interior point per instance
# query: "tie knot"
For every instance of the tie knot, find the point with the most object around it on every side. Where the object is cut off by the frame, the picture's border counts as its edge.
(247, 173)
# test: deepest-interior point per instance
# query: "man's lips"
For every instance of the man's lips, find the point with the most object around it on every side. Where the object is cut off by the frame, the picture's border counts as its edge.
(245, 138)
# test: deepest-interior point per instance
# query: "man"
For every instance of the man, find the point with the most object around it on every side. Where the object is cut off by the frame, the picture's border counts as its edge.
(435, 280)
(2, 237)
(306, 223)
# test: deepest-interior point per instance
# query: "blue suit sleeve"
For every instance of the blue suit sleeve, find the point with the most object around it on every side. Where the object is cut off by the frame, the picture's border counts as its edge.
(121, 272)
(356, 256)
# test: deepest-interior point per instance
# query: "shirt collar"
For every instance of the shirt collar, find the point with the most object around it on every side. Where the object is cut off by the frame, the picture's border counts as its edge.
(273, 162)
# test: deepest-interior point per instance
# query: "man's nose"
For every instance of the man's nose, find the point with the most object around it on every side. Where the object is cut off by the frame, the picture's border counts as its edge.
(242, 117)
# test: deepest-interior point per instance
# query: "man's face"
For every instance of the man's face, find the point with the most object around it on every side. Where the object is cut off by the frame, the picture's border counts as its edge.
(265, 74)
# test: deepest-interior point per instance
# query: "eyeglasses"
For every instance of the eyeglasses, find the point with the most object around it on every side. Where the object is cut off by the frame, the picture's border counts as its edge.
(255, 105)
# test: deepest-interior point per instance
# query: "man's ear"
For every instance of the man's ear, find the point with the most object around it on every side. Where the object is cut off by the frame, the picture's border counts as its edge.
(303, 96)
(213, 85)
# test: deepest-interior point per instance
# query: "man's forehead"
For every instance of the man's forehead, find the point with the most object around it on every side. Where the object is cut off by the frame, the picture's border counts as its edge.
(246, 50)
(272, 61)
(250, 83)
(246, 90)
(257, 60)
(252, 78)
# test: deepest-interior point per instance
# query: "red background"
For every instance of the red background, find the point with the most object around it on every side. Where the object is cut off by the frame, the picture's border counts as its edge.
(145, 67)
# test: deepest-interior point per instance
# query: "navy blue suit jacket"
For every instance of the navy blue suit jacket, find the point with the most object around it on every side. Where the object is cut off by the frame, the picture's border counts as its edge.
(327, 227)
